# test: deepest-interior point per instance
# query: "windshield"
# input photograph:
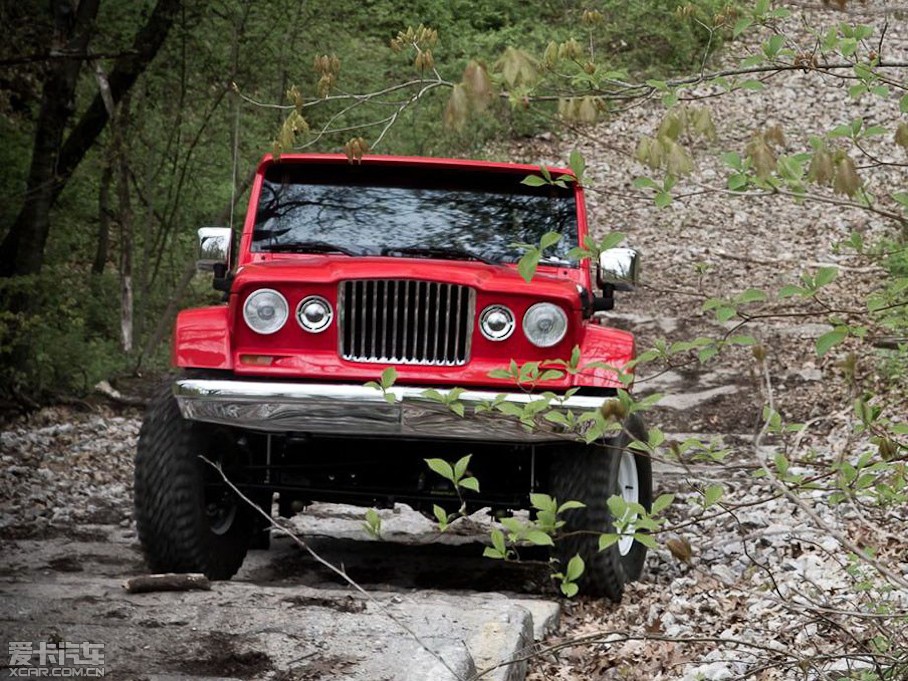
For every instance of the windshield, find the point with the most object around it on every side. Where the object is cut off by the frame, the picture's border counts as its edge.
(406, 212)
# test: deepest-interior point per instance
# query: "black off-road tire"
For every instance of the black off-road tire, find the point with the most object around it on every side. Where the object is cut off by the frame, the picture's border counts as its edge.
(172, 517)
(590, 474)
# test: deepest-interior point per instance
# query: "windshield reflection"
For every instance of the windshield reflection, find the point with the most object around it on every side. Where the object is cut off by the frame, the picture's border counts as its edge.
(374, 214)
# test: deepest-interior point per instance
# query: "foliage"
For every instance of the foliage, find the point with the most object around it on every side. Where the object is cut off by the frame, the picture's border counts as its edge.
(177, 155)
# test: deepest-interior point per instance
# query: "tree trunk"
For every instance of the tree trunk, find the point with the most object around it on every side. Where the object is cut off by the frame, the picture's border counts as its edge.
(125, 220)
(103, 246)
(22, 249)
(54, 160)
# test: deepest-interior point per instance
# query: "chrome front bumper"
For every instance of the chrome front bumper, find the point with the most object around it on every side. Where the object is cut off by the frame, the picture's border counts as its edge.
(360, 411)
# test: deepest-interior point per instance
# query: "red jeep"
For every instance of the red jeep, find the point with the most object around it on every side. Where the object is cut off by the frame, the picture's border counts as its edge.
(345, 269)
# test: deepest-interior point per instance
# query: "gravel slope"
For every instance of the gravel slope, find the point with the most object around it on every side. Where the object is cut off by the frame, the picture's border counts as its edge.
(767, 593)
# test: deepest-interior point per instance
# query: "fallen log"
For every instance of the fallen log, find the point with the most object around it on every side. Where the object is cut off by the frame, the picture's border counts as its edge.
(167, 581)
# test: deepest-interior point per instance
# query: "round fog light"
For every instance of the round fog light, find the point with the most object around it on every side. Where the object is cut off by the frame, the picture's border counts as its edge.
(314, 314)
(496, 322)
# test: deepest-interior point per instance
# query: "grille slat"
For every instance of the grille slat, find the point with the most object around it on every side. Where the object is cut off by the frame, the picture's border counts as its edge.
(406, 321)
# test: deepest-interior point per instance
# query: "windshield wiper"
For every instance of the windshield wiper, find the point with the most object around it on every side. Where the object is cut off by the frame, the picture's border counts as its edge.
(308, 247)
(450, 252)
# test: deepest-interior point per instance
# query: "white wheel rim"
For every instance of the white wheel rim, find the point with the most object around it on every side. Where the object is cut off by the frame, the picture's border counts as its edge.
(630, 492)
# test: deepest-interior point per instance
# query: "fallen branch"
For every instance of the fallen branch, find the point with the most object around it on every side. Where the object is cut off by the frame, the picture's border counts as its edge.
(111, 393)
(167, 581)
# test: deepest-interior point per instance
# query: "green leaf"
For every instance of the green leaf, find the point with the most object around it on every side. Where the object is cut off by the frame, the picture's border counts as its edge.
(498, 541)
(539, 538)
(388, 377)
(903, 104)
(791, 290)
(752, 295)
(741, 25)
(606, 540)
(646, 539)
(724, 313)
(510, 409)
(843, 130)
(737, 182)
(752, 84)
(662, 502)
(733, 160)
(533, 181)
(830, 339)
(848, 46)
(712, 494)
(373, 522)
(577, 163)
(489, 552)
(645, 183)
(826, 275)
(746, 341)
(569, 589)
(528, 264)
(470, 484)
(574, 568)
(548, 240)
(461, 466)
(442, 467)
(441, 516)
(570, 504)
(772, 46)
(662, 199)
(781, 464)
(611, 240)
(542, 502)
(617, 506)
(707, 354)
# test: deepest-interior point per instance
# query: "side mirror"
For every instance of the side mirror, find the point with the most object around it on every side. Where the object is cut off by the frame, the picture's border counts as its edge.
(214, 249)
(618, 269)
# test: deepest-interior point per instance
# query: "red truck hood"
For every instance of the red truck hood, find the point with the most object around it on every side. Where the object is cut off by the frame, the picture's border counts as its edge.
(320, 269)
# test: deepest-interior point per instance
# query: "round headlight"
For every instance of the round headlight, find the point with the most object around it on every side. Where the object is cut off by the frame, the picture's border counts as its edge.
(314, 314)
(496, 322)
(266, 311)
(545, 324)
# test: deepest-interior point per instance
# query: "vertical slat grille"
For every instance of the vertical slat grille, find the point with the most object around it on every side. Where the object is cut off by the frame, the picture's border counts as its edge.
(405, 321)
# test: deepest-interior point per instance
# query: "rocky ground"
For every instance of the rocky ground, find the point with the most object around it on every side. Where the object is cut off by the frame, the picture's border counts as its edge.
(768, 590)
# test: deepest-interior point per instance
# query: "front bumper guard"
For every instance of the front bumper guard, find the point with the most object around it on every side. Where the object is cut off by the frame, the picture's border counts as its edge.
(356, 410)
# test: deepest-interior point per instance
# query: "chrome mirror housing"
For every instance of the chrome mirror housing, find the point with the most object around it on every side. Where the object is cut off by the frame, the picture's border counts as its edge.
(618, 268)
(214, 248)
